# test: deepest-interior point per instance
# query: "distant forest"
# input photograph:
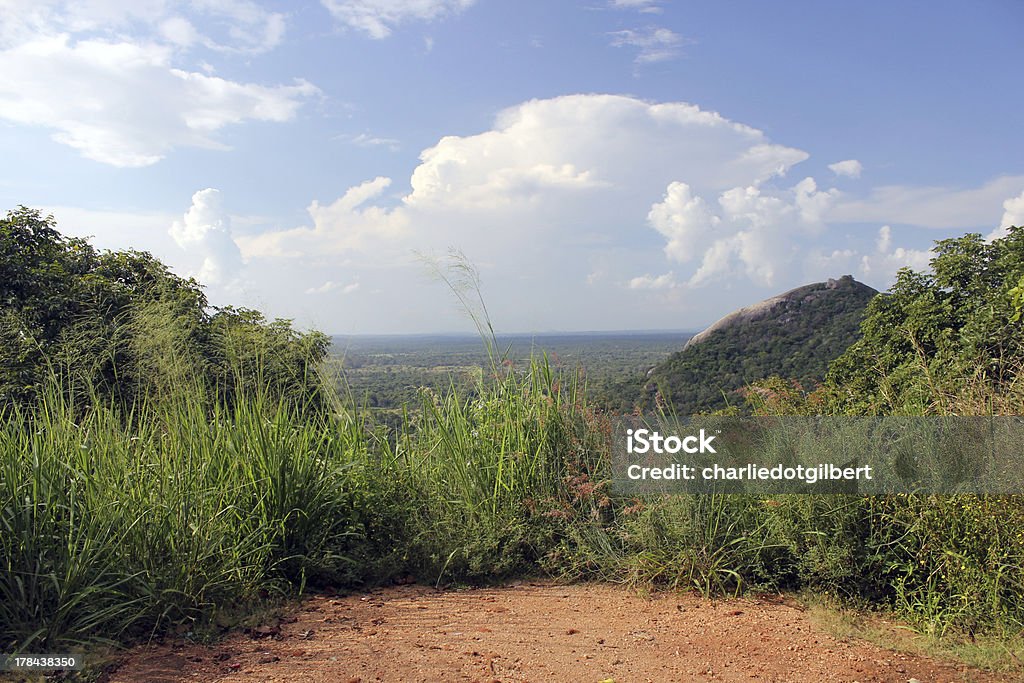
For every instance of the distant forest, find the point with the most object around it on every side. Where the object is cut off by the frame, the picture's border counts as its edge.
(387, 372)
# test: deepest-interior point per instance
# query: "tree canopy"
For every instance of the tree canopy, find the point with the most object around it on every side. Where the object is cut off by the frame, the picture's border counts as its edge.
(121, 324)
(953, 333)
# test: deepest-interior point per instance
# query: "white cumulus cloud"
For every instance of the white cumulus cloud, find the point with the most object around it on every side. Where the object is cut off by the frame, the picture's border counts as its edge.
(647, 281)
(746, 230)
(686, 221)
(378, 18)
(205, 232)
(106, 79)
(345, 225)
(851, 168)
(592, 143)
(1013, 214)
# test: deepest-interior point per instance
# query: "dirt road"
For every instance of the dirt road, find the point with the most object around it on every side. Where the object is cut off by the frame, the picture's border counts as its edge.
(535, 632)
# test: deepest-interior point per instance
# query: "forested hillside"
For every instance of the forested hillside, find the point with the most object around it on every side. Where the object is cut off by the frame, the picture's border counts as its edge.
(793, 335)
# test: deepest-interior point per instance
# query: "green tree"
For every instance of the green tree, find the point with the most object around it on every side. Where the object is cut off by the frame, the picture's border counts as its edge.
(935, 335)
(121, 324)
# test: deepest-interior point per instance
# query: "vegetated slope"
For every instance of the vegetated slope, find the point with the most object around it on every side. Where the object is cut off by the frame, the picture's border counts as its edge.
(120, 326)
(794, 335)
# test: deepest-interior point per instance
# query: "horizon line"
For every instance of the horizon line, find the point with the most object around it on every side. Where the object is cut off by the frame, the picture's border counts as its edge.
(500, 333)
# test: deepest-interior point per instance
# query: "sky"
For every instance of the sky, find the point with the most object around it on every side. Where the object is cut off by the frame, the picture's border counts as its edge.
(602, 164)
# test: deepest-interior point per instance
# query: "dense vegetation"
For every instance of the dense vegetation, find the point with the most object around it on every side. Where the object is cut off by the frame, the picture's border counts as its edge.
(951, 340)
(177, 504)
(121, 325)
(797, 338)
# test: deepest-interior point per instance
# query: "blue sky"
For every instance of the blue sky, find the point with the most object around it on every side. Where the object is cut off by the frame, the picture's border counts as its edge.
(605, 164)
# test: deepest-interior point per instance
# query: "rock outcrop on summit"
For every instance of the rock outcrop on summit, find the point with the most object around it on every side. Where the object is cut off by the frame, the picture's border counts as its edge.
(794, 335)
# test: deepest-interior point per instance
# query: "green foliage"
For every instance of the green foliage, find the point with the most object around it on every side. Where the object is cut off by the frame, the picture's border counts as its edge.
(796, 339)
(490, 472)
(955, 564)
(121, 324)
(711, 544)
(936, 337)
(161, 464)
(1017, 301)
(249, 351)
(115, 527)
(777, 396)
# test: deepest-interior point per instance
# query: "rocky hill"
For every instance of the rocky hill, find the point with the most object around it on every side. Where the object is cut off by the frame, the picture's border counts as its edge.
(795, 335)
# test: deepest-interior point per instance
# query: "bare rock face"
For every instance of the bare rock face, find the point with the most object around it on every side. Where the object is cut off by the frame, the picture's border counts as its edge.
(781, 305)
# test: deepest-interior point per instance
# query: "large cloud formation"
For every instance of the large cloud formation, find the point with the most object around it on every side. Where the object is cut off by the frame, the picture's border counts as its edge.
(584, 212)
(205, 231)
(623, 207)
(108, 80)
(569, 170)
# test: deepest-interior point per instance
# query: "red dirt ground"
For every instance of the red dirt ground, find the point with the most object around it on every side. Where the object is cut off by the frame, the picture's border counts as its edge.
(535, 632)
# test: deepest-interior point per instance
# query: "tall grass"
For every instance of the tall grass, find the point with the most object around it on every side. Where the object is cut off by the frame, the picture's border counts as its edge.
(121, 523)
(494, 471)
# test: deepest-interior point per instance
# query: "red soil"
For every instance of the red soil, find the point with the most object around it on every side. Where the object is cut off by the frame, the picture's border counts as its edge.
(535, 632)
